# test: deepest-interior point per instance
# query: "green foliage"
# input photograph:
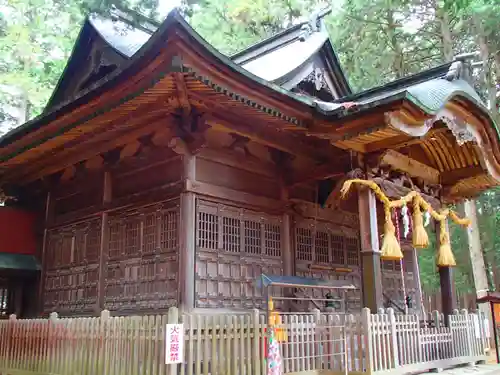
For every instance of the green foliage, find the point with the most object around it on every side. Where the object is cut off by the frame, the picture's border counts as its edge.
(232, 25)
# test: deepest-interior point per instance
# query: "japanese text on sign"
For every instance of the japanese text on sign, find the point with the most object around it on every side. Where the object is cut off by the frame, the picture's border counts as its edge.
(174, 343)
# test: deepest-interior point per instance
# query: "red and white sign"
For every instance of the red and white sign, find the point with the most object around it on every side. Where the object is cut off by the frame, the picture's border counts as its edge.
(174, 340)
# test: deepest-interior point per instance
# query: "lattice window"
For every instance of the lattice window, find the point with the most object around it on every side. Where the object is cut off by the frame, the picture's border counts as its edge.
(67, 250)
(338, 253)
(54, 250)
(93, 244)
(321, 247)
(132, 239)
(304, 244)
(115, 240)
(252, 237)
(169, 231)
(237, 231)
(78, 254)
(149, 233)
(208, 230)
(352, 249)
(231, 234)
(272, 235)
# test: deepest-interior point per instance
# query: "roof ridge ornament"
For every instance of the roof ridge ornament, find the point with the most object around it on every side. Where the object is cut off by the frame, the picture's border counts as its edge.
(314, 24)
(461, 68)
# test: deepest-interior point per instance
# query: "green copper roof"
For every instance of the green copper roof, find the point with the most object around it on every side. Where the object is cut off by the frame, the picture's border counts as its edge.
(19, 262)
(432, 95)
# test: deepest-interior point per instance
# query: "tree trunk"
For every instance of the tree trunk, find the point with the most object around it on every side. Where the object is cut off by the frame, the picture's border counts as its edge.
(446, 35)
(397, 62)
(489, 84)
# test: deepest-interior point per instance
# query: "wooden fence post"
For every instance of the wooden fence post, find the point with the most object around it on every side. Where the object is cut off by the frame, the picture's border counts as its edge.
(11, 342)
(367, 333)
(256, 341)
(103, 322)
(317, 340)
(394, 337)
(53, 341)
(468, 332)
(173, 318)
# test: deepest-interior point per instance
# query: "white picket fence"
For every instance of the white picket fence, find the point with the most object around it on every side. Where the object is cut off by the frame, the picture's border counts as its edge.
(235, 344)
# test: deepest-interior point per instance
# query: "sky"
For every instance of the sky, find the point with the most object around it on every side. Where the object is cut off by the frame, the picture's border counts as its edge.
(165, 6)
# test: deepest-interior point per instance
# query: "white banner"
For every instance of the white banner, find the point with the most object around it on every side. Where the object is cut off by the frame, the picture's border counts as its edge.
(174, 343)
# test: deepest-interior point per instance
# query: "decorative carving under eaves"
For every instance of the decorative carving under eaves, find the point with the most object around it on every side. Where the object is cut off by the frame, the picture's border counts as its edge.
(317, 77)
(458, 127)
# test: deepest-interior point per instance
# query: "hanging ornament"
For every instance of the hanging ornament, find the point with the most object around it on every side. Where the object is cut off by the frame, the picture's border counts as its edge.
(391, 250)
(406, 221)
(420, 238)
(445, 257)
(427, 219)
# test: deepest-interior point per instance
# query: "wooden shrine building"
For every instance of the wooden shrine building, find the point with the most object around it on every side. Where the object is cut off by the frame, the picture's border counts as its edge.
(163, 173)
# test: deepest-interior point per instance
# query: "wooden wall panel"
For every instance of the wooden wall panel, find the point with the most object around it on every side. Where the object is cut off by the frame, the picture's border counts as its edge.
(234, 246)
(146, 178)
(72, 269)
(325, 250)
(81, 193)
(141, 271)
(223, 175)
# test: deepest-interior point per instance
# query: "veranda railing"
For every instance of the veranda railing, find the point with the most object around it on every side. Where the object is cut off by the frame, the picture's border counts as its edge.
(230, 344)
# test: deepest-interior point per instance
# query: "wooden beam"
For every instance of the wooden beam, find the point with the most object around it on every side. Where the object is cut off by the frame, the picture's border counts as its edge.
(130, 149)
(282, 142)
(221, 118)
(400, 141)
(244, 198)
(94, 163)
(88, 141)
(320, 172)
(71, 158)
(414, 168)
(182, 94)
(234, 159)
(451, 177)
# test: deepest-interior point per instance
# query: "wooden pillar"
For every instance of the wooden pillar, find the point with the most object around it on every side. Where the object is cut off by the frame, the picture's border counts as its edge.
(479, 271)
(448, 301)
(288, 268)
(103, 254)
(47, 219)
(187, 248)
(287, 249)
(370, 250)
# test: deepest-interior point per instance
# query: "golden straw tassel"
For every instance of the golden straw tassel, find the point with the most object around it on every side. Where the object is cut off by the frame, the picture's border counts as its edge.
(419, 236)
(391, 250)
(445, 257)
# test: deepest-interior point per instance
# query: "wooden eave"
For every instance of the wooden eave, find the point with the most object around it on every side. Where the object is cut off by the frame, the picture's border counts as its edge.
(397, 123)
(149, 89)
